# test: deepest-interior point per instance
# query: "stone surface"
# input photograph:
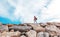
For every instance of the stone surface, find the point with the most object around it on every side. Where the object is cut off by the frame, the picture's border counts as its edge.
(3, 28)
(21, 28)
(31, 33)
(38, 28)
(43, 34)
(31, 30)
(11, 34)
(40, 34)
(51, 28)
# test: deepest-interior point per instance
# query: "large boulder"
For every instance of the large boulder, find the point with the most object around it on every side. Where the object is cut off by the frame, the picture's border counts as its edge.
(4, 28)
(31, 33)
(40, 34)
(11, 34)
(15, 34)
(43, 34)
(52, 28)
(38, 28)
(5, 34)
(53, 33)
(57, 24)
(21, 28)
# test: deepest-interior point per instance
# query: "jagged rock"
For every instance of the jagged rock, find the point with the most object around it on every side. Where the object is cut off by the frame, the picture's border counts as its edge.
(43, 34)
(21, 28)
(23, 36)
(31, 33)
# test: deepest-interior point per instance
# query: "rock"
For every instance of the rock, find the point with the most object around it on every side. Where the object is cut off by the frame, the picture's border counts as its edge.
(0, 34)
(11, 34)
(51, 28)
(21, 28)
(54, 23)
(31, 33)
(43, 34)
(4, 28)
(5, 34)
(38, 28)
(23, 36)
(57, 24)
(18, 33)
(55, 36)
(52, 33)
(43, 24)
(40, 34)
(46, 34)
(15, 34)
(50, 23)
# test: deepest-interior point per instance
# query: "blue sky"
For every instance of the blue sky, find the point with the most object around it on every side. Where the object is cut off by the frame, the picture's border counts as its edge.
(23, 11)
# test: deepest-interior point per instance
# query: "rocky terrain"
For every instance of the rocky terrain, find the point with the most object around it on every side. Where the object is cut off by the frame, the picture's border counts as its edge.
(49, 29)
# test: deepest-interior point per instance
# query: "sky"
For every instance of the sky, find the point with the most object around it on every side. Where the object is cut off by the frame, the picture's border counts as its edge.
(23, 11)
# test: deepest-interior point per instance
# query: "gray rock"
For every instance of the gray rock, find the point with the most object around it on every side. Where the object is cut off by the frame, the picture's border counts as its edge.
(38, 28)
(40, 34)
(4, 27)
(31, 33)
(21, 28)
(43, 34)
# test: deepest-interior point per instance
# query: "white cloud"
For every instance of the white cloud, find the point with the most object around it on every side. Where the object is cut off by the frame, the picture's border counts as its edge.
(26, 9)
(54, 10)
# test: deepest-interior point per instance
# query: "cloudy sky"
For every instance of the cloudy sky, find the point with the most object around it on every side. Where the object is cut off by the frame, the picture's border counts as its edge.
(23, 11)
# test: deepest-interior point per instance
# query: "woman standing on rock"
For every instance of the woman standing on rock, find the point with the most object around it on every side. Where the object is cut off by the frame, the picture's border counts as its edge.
(35, 19)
